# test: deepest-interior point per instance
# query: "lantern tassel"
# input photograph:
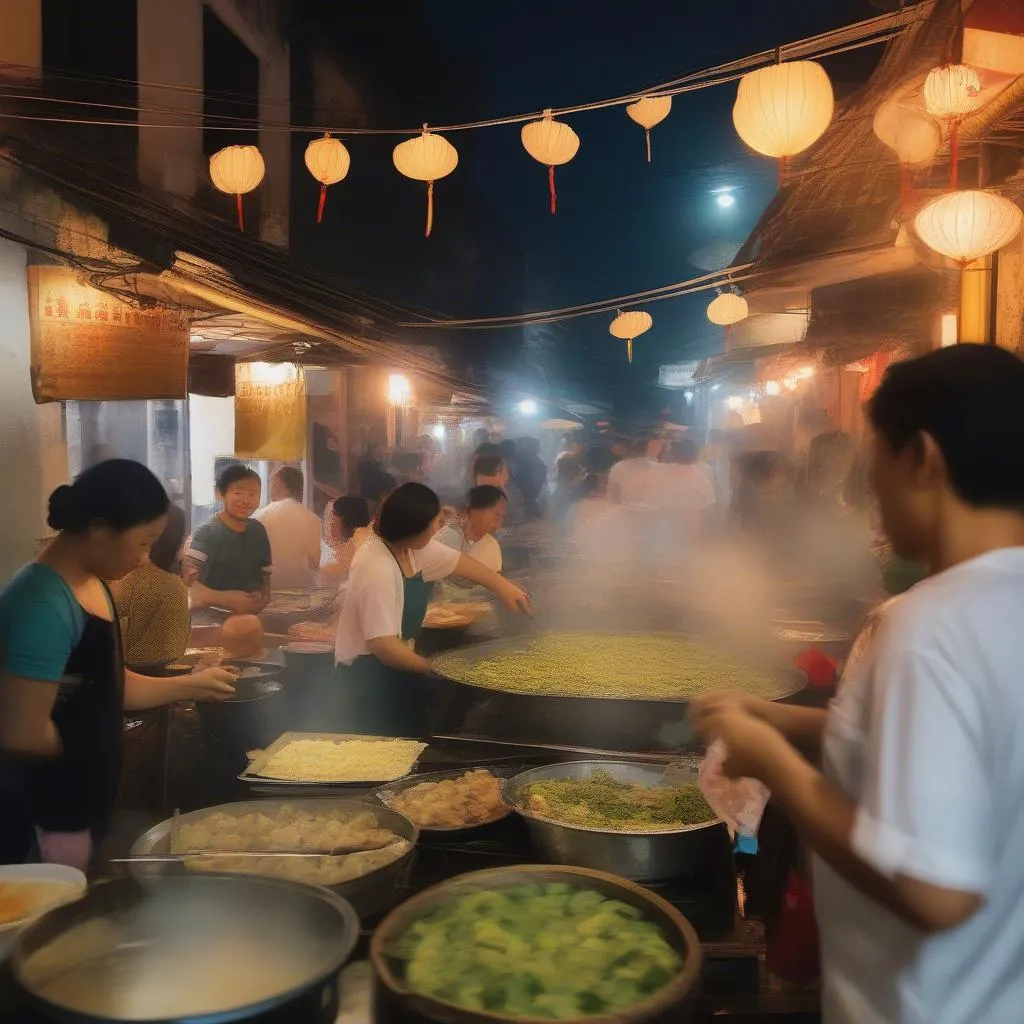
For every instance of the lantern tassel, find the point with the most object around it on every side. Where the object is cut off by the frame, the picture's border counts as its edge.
(782, 170)
(320, 205)
(954, 154)
(430, 209)
(551, 189)
(629, 350)
(647, 133)
(241, 215)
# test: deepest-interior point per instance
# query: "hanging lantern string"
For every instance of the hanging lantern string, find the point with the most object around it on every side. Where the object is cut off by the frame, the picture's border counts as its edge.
(320, 205)
(241, 214)
(430, 209)
(551, 189)
(647, 135)
(871, 32)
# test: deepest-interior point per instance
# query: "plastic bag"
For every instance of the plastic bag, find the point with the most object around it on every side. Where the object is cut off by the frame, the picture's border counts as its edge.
(740, 803)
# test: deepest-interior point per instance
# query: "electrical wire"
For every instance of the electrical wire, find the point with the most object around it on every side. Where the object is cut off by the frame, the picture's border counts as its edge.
(870, 32)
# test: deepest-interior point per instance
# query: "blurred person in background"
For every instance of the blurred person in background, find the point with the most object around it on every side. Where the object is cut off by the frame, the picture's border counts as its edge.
(294, 532)
(691, 492)
(568, 475)
(152, 601)
(490, 469)
(346, 530)
(718, 458)
(473, 534)
(374, 479)
(638, 482)
(914, 818)
(533, 475)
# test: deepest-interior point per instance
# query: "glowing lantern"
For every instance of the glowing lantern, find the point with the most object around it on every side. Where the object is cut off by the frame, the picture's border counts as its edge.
(968, 225)
(630, 325)
(783, 109)
(913, 135)
(951, 92)
(237, 170)
(551, 143)
(647, 112)
(727, 309)
(328, 161)
(428, 158)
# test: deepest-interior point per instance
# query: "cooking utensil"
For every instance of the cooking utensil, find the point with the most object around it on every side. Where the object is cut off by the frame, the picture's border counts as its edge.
(71, 883)
(370, 894)
(250, 717)
(181, 858)
(601, 723)
(253, 949)
(394, 999)
(386, 794)
(641, 856)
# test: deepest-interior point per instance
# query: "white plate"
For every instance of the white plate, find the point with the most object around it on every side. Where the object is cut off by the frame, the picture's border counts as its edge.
(71, 877)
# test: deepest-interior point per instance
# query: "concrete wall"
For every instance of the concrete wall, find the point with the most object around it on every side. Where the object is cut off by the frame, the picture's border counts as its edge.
(21, 41)
(1009, 328)
(170, 40)
(211, 436)
(33, 459)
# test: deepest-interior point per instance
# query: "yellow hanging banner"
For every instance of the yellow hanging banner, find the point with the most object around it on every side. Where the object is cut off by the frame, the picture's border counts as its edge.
(88, 345)
(270, 411)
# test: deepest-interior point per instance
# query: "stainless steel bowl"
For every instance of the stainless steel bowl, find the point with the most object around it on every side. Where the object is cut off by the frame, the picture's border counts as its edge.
(640, 856)
(386, 795)
(369, 895)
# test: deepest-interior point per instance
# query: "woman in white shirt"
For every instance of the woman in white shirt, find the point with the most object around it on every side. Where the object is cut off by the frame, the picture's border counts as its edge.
(380, 682)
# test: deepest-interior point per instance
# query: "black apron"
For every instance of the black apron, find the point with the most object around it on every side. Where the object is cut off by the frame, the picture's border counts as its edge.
(77, 790)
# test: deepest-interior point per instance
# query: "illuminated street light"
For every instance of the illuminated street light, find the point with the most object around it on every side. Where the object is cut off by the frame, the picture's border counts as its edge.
(528, 407)
(725, 200)
(399, 390)
(734, 402)
(437, 430)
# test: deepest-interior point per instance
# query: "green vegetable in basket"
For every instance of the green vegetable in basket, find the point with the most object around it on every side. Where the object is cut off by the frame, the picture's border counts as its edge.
(540, 950)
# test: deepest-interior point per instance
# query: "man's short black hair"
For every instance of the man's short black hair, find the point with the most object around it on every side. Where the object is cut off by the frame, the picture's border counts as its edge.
(487, 465)
(969, 398)
(233, 474)
(484, 496)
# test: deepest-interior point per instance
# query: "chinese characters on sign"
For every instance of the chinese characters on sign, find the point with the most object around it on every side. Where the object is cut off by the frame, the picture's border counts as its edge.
(270, 411)
(90, 346)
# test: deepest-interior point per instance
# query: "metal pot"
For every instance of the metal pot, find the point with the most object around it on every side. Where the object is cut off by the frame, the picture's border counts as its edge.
(200, 949)
(251, 717)
(309, 673)
(369, 895)
(641, 856)
(394, 1001)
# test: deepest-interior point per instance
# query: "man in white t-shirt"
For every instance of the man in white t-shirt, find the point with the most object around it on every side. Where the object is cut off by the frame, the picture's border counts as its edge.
(294, 532)
(640, 482)
(915, 820)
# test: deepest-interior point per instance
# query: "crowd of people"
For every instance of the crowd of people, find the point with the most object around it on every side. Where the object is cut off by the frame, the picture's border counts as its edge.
(905, 792)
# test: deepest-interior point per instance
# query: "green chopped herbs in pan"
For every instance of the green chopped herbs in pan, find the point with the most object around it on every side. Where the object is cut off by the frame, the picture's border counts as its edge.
(538, 950)
(626, 666)
(603, 802)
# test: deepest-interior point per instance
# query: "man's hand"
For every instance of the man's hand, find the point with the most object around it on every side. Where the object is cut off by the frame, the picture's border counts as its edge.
(258, 600)
(515, 599)
(753, 744)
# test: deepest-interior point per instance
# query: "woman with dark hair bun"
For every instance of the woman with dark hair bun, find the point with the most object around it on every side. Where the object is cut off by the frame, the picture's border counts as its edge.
(63, 684)
(379, 678)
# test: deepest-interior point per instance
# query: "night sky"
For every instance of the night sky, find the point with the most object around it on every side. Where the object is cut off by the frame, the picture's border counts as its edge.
(622, 226)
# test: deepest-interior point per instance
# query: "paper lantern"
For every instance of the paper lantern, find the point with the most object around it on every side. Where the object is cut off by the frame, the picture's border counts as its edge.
(968, 225)
(647, 112)
(237, 170)
(782, 109)
(428, 157)
(328, 161)
(630, 325)
(913, 135)
(551, 143)
(951, 92)
(727, 309)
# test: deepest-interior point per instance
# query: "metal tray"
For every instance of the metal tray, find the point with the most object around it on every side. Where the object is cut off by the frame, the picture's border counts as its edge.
(252, 772)
(371, 894)
(385, 794)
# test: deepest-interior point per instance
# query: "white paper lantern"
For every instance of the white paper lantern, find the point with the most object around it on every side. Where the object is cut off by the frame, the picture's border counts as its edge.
(968, 225)
(727, 309)
(236, 171)
(951, 92)
(914, 136)
(629, 325)
(551, 143)
(649, 111)
(782, 109)
(429, 157)
(328, 161)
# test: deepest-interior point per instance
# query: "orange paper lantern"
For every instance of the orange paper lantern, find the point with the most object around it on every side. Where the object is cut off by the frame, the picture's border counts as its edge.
(428, 158)
(237, 170)
(551, 143)
(328, 161)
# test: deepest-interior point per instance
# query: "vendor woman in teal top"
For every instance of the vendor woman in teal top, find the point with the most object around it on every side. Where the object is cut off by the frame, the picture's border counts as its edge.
(63, 685)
